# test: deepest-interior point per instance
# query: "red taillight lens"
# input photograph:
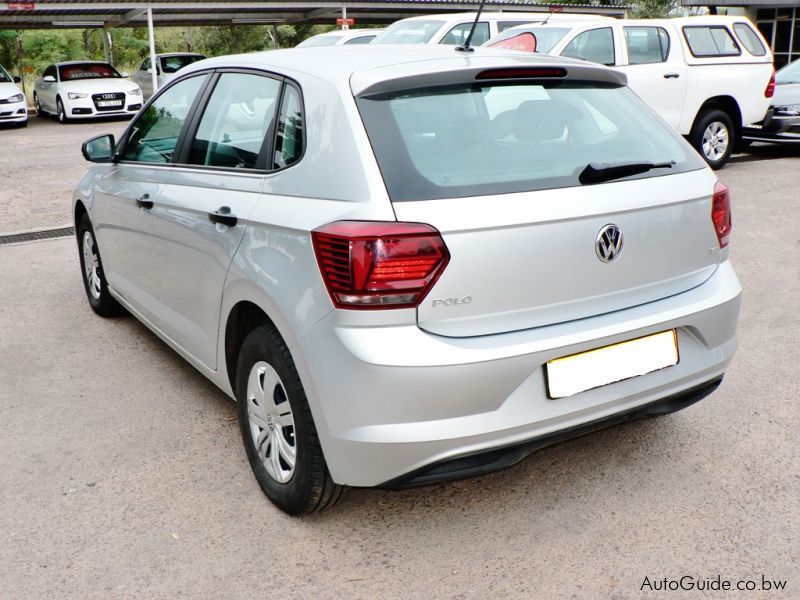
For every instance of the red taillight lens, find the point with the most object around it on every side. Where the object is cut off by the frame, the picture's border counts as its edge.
(369, 265)
(770, 91)
(721, 213)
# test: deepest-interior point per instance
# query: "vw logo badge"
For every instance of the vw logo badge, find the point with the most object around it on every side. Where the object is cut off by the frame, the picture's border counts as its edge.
(608, 244)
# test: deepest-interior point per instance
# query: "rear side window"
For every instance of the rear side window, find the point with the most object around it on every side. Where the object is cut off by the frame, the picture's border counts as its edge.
(458, 34)
(749, 39)
(595, 45)
(236, 120)
(710, 41)
(154, 134)
(364, 39)
(495, 138)
(646, 45)
(409, 31)
(290, 139)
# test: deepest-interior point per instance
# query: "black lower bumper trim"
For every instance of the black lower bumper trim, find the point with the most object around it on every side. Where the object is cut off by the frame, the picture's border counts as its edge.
(487, 461)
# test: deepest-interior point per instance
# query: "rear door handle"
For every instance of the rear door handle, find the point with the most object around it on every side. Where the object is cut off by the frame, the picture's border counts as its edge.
(671, 75)
(223, 215)
(144, 201)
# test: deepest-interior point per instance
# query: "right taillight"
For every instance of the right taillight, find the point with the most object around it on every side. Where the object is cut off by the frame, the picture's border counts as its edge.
(376, 264)
(721, 213)
(770, 91)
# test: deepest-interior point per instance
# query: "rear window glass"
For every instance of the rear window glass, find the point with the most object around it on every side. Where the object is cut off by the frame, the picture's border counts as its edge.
(710, 41)
(494, 138)
(88, 71)
(546, 37)
(409, 32)
(646, 45)
(749, 38)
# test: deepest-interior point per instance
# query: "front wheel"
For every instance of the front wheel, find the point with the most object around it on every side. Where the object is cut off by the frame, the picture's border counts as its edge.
(94, 279)
(38, 105)
(62, 115)
(278, 431)
(714, 137)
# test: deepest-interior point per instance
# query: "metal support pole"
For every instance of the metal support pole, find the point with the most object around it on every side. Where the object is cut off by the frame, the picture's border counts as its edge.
(345, 26)
(152, 37)
(20, 70)
(274, 36)
(107, 46)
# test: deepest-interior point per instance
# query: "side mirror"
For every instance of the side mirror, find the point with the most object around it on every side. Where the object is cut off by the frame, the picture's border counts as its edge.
(99, 149)
(17, 79)
(49, 79)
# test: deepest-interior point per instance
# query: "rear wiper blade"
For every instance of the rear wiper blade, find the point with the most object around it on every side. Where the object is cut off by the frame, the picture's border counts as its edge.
(599, 172)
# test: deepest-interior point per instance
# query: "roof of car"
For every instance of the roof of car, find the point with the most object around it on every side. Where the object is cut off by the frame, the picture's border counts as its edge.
(338, 64)
(81, 62)
(179, 54)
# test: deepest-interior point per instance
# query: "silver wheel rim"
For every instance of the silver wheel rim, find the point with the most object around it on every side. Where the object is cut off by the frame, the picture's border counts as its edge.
(61, 115)
(715, 140)
(271, 422)
(91, 265)
(36, 105)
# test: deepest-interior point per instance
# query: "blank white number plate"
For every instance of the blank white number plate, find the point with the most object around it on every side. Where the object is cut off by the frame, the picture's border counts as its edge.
(580, 372)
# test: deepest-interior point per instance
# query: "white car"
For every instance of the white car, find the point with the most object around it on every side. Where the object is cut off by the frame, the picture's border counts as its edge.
(706, 76)
(13, 107)
(340, 37)
(167, 65)
(453, 29)
(85, 90)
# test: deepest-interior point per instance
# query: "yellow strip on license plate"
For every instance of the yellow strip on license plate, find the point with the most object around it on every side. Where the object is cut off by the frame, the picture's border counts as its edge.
(577, 373)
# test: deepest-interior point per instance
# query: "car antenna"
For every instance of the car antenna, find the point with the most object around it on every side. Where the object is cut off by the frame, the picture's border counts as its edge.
(466, 47)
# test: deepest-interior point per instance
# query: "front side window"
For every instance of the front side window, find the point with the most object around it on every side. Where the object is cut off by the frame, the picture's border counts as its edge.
(499, 137)
(646, 45)
(409, 32)
(88, 71)
(595, 45)
(706, 41)
(145, 64)
(154, 135)
(235, 122)
(458, 34)
(289, 140)
(749, 38)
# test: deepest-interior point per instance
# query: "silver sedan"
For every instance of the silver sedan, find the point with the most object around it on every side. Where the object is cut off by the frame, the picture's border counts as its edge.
(409, 265)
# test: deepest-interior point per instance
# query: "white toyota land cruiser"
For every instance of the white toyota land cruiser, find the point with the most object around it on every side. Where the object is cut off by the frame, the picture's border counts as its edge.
(706, 76)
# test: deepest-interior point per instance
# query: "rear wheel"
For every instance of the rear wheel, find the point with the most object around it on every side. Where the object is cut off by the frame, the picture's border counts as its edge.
(278, 431)
(94, 279)
(38, 106)
(714, 137)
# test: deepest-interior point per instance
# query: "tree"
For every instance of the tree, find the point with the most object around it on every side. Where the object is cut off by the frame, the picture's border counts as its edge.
(645, 9)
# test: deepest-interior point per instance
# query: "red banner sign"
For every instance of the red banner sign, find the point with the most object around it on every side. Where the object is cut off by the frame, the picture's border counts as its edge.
(341, 21)
(21, 6)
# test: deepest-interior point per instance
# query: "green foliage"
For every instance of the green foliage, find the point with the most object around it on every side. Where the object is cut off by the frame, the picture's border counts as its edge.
(644, 9)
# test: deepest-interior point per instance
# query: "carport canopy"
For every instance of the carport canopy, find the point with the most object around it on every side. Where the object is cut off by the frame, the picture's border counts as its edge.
(106, 14)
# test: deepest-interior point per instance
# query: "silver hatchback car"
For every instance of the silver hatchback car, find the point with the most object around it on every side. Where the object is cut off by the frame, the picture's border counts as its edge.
(413, 264)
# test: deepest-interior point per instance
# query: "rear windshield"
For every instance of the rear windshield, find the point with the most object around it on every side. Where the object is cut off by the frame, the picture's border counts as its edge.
(87, 71)
(495, 138)
(173, 64)
(546, 37)
(789, 74)
(409, 32)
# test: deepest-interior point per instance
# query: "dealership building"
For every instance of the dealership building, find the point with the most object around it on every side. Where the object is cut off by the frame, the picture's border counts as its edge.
(778, 21)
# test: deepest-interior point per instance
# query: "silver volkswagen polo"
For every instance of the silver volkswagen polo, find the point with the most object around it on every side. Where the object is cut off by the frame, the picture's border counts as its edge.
(413, 264)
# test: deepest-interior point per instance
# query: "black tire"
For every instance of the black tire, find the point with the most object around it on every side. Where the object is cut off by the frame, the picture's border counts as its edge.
(38, 106)
(23, 124)
(61, 114)
(310, 487)
(706, 124)
(97, 292)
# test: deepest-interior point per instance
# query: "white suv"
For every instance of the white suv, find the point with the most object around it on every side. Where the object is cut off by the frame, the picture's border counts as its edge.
(706, 76)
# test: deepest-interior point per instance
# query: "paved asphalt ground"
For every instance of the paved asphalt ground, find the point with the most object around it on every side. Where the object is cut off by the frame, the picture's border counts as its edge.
(122, 474)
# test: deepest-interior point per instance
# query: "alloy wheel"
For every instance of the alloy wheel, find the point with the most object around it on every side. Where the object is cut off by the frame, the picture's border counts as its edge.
(91, 265)
(716, 139)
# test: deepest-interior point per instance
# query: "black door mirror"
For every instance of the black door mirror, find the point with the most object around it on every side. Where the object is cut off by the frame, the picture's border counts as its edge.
(17, 79)
(99, 149)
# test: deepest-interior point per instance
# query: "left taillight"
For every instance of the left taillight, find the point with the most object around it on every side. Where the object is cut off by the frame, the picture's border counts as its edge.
(770, 91)
(379, 265)
(721, 213)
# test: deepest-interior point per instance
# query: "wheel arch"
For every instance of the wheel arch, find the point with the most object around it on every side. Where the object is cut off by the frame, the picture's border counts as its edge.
(726, 104)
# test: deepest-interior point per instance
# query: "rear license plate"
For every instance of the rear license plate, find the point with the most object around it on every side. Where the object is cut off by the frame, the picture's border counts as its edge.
(595, 368)
(109, 103)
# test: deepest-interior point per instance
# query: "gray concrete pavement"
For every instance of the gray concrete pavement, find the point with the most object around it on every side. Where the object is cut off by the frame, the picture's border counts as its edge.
(122, 473)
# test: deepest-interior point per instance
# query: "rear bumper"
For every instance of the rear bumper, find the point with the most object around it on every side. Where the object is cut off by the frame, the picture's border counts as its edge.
(774, 128)
(393, 402)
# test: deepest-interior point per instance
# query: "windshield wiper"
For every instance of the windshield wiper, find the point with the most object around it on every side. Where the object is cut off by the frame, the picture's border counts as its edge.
(600, 172)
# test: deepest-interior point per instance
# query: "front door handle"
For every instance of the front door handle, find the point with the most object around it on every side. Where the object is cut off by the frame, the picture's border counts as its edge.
(223, 215)
(671, 75)
(145, 201)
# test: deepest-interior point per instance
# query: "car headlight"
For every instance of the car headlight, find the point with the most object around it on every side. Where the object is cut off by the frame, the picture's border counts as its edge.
(791, 110)
(135, 92)
(74, 96)
(17, 98)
